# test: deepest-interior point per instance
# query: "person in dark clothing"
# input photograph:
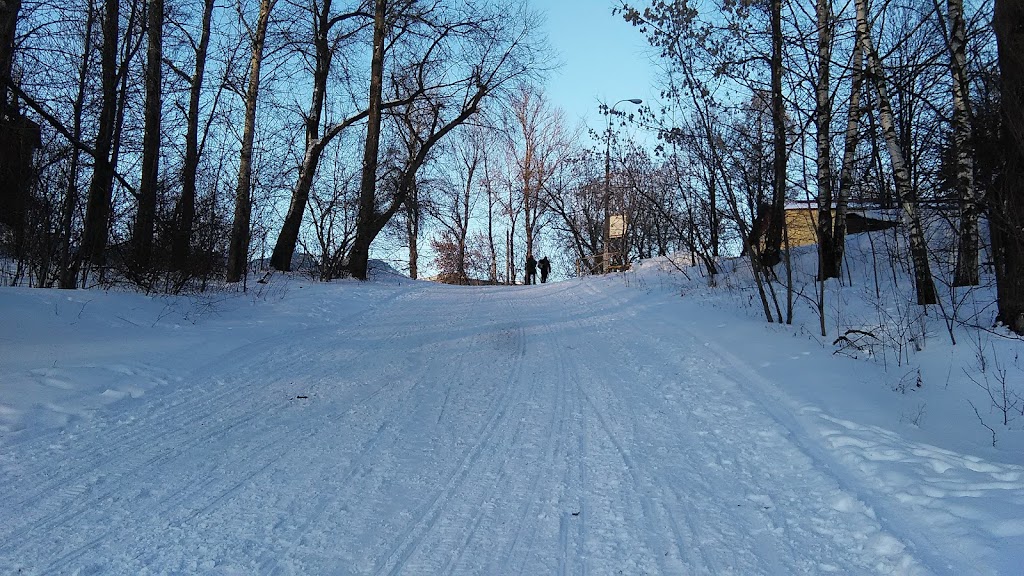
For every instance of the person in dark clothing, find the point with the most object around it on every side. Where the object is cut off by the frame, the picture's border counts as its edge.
(531, 269)
(545, 269)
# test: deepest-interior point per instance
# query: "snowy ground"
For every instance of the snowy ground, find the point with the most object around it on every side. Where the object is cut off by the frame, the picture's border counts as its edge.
(594, 426)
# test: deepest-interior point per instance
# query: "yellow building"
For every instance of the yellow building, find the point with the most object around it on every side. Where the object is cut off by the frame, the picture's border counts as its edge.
(802, 223)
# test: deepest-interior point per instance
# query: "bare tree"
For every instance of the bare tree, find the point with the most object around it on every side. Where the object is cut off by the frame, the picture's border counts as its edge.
(850, 141)
(828, 267)
(186, 210)
(456, 199)
(97, 216)
(966, 273)
(772, 253)
(486, 48)
(923, 282)
(238, 253)
(146, 215)
(538, 144)
(326, 40)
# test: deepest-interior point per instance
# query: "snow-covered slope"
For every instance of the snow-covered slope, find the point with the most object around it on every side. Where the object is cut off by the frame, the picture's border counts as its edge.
(639, 423)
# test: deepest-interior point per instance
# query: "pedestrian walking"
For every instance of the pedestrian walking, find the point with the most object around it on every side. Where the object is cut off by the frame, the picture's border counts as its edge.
(531, 269)
(545, 269)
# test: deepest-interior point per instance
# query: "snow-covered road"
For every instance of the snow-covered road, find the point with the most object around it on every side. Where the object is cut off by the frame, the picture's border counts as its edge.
(445, 430)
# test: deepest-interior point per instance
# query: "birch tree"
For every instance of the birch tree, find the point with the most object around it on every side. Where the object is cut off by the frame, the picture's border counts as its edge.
(923, 281)
(966, 272)
(827, 265)
(846, 172)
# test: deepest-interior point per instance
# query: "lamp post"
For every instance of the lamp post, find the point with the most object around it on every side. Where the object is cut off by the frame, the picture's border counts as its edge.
(607, 182)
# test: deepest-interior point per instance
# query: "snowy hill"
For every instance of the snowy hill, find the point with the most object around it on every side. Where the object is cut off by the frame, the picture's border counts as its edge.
(639, 423)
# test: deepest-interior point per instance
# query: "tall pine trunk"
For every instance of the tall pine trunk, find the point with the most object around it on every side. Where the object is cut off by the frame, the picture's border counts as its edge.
(238, 249)
(923, 282)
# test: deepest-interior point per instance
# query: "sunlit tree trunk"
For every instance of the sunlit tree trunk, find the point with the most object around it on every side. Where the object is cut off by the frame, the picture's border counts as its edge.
(365, 220)
(238, 249)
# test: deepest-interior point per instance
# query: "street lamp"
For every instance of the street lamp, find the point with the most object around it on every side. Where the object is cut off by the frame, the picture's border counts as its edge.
(607, 181)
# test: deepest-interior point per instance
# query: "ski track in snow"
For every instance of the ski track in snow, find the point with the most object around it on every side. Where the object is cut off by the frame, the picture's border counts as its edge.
(445, 430)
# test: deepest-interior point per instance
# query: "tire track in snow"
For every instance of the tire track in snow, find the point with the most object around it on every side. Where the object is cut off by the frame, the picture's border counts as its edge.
(724, 404)
(425, 518)
(649, 496)
(106, 464)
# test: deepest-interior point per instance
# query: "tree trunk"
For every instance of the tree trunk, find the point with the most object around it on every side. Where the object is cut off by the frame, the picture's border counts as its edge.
(412, 223)
(8, 23)
(923, 282)
(68, 264)
(466, 205)
(288, 238)
(849, 159)
(1007, 205)
(492, 249)
(146, 216)
(238, 250)
(365, 219)
(827, 265)
(97, 214)
(772, 253)
(182, 241)
(966, 273)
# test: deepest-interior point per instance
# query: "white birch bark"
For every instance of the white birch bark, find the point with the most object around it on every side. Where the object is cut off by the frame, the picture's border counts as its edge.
(849, 156)
(966, 273)
(923, 282)
(827, 267)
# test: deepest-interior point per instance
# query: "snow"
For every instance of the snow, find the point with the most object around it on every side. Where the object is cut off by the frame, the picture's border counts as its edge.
(638, 423)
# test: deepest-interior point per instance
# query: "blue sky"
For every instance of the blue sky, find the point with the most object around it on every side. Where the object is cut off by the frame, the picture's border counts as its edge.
(604, 58)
